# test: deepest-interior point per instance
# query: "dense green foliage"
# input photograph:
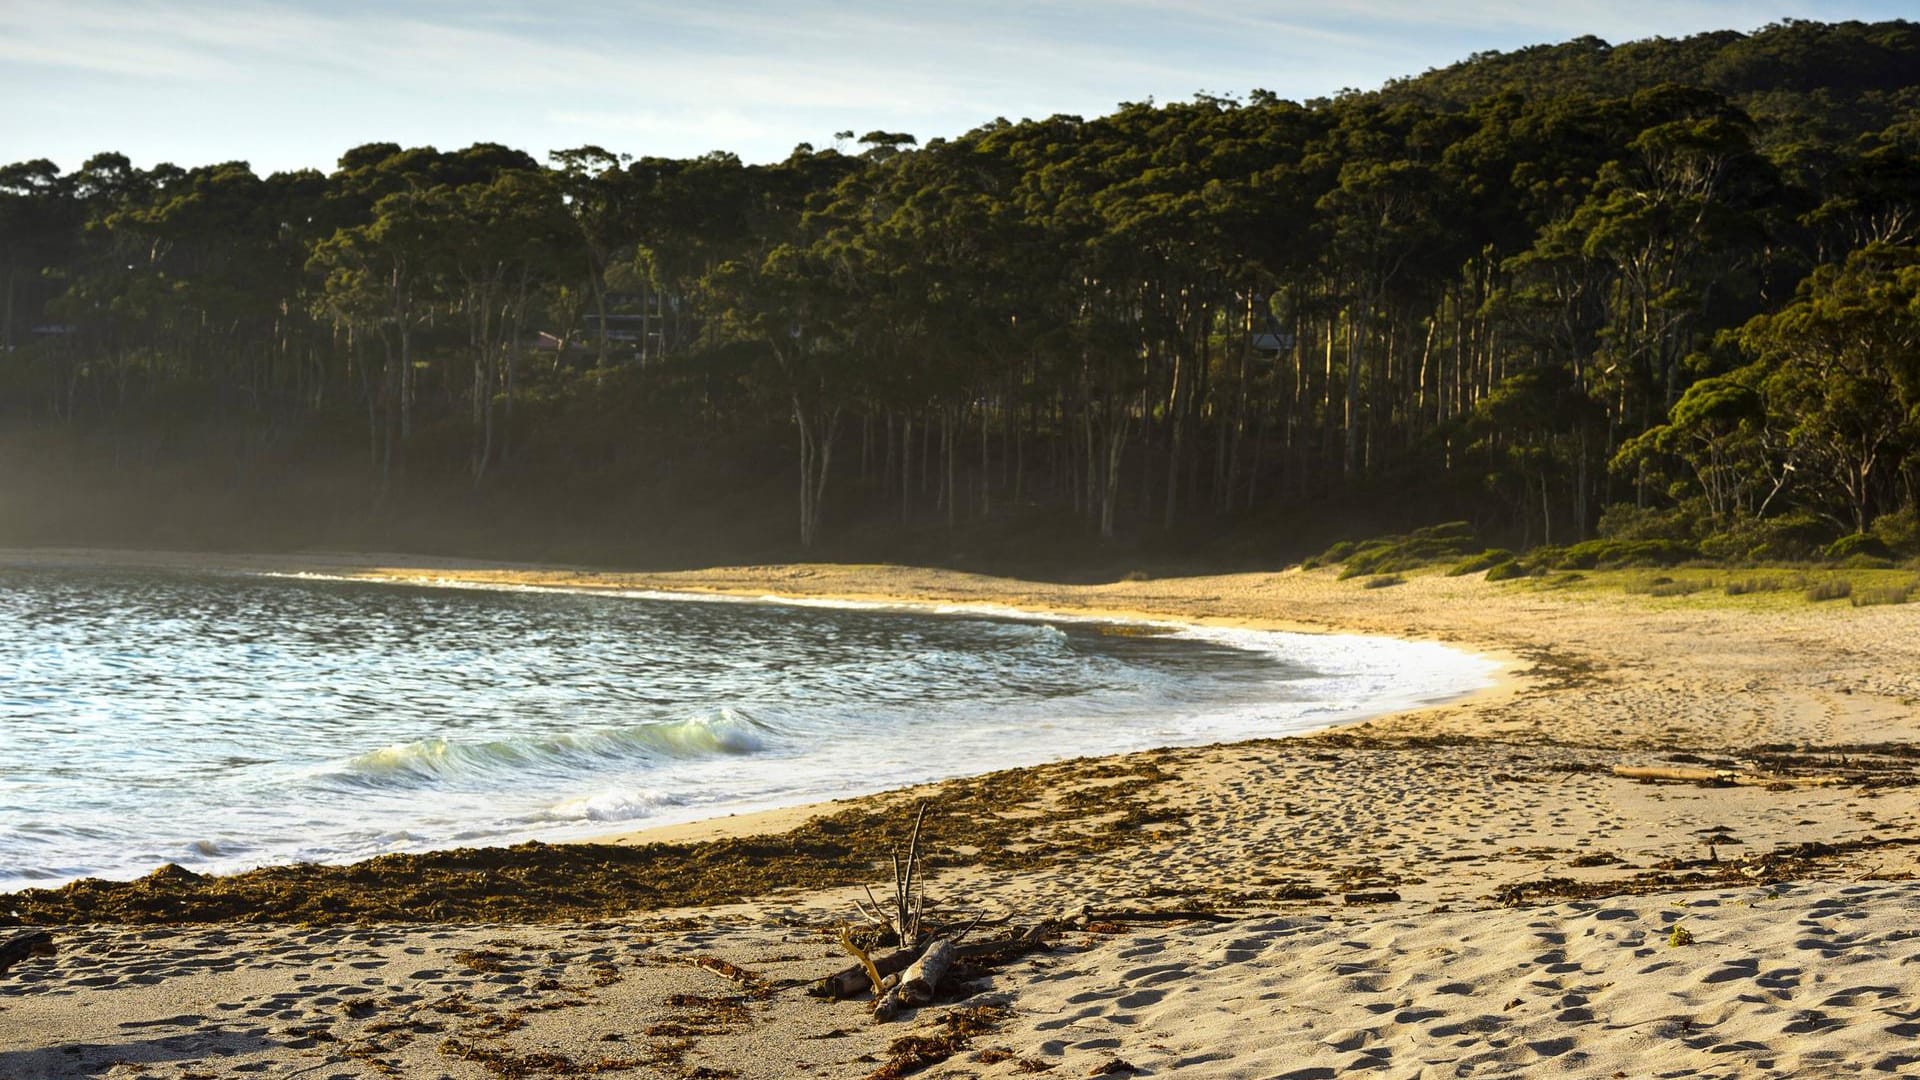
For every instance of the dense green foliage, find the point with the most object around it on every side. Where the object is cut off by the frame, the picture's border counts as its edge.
(1667, 292)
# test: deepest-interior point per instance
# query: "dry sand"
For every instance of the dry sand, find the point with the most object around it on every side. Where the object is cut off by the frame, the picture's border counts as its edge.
(1530, 931)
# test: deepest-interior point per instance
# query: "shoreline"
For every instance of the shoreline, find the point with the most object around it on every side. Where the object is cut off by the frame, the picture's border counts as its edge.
(1468, 886)
(422, 572)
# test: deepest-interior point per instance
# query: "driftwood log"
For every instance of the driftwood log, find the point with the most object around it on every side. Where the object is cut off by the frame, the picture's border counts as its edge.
(848, 982)
(1692, 775)
(854, 981)
(20, 946)
(919, 982)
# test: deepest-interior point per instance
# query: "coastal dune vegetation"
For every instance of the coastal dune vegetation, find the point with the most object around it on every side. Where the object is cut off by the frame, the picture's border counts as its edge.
(1661, 293)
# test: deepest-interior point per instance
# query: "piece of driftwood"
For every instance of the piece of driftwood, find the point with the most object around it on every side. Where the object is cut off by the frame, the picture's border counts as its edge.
(1160, 916)
(849, 982)
(1680, 774)
(908, 906)
(20, 946)
(726, 969)
(856, 980)
(919, 983)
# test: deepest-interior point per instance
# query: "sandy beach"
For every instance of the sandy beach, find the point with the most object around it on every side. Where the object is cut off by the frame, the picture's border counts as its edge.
(1463, 890)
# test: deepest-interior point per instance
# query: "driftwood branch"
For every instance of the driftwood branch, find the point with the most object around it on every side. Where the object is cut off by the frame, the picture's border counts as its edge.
(1678, 774)
(20, 946)
(848, 982)
(874, 975)
(857, 979)
(1161, 916)
(908, 906)
(852, 981)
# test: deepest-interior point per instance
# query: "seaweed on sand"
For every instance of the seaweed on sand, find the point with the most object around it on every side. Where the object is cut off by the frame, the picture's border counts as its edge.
(1085, 808)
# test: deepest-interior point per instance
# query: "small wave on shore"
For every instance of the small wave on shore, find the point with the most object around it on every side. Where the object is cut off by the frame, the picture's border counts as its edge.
(442, 761)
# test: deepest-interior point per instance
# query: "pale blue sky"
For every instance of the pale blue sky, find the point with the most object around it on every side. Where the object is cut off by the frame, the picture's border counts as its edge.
(292, 83)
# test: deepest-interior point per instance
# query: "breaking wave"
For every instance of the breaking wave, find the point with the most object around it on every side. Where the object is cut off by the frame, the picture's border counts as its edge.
(449, 761)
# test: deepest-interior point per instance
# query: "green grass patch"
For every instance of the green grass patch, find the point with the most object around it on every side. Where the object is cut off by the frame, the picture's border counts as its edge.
(1833, 588)
(1486, 560)
(1756, 588)
(1876, 595)
(1397, 554)
(1859, 545)
(1615, 554)
(1508, 571)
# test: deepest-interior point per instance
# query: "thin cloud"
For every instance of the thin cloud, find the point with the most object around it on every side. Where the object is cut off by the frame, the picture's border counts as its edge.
(213, 79)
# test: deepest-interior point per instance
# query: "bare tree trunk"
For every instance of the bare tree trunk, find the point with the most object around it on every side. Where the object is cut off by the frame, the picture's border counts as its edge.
(6, 327)
(599, 287)
(1546, 511)
(1092, 477)
(1176, 440)
(888, 457)
(1116, 449)
(906, 470)
(986, 470)
(1356, 348)
(950, 492)
(817, 429)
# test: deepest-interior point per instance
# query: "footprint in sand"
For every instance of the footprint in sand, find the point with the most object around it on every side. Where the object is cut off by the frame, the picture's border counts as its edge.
(1733, 969)
(183, 1020)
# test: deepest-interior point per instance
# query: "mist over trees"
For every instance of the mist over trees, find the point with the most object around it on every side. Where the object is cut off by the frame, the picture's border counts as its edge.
(1666, 289)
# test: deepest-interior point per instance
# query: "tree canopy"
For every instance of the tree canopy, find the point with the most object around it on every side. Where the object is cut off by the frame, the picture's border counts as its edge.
(1679, 275)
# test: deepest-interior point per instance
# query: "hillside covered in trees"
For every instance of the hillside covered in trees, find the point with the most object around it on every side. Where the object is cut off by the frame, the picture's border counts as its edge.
(1668, 289)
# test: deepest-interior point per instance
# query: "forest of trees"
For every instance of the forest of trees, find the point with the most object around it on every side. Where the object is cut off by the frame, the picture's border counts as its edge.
(1665, 289)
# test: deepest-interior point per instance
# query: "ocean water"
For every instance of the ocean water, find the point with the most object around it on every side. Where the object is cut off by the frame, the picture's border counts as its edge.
(229, 721)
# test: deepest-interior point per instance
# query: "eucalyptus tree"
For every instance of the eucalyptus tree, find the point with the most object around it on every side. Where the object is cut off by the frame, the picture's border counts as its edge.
(37, 224)
(502, 240)
(1672, 218)
(1531, 425)
(1843, 380)
(378, 281)
(1205, 306)
(597, 194)
(1719, 430)
(795, 305)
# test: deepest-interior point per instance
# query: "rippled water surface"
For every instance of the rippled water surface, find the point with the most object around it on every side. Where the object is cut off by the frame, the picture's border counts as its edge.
(228, 721)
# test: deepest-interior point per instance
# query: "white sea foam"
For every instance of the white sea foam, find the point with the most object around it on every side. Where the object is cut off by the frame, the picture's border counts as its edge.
(613, 804)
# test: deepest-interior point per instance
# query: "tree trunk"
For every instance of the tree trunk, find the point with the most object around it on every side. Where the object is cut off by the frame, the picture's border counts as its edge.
(1356, 347)
(906, 469)
(986, 469)
(951, 490)
(1116, 449)
(1176, 440)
